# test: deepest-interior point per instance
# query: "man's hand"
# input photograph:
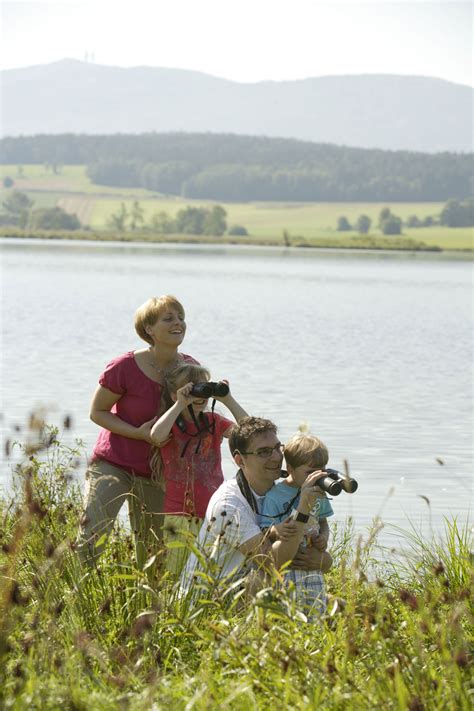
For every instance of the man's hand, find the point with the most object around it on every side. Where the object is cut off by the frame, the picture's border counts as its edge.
(307, 559)
(320, 542)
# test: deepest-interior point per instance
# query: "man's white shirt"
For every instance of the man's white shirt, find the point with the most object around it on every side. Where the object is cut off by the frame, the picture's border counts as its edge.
(228, 524)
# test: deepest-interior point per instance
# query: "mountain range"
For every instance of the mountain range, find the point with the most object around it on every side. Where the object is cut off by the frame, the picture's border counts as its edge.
(390, 112)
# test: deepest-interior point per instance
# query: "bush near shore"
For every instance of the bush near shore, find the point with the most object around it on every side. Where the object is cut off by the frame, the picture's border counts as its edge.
(395, 636)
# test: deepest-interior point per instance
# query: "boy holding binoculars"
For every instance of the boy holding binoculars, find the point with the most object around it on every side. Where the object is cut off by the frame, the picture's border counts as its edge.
(304, 454)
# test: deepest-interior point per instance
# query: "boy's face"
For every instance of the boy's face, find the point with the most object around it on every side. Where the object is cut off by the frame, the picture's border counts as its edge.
(300, 473)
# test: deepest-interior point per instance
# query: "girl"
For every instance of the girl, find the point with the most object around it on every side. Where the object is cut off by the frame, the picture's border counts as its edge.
(189, 438)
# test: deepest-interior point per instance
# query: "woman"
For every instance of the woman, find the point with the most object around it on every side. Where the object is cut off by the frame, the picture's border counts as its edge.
(126, 404)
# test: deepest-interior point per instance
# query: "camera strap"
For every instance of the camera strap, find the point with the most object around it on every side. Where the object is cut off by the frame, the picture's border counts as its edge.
(246, 491)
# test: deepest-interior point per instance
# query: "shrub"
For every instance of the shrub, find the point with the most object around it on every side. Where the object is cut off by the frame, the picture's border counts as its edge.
(238, 231)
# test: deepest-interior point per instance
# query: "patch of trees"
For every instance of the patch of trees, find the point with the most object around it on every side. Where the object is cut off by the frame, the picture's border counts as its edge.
(188, 221)
(18, 211)
(241, 168)
(453, 214)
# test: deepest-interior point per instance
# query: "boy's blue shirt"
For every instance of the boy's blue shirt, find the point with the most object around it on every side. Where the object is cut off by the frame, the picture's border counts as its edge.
(276, 502)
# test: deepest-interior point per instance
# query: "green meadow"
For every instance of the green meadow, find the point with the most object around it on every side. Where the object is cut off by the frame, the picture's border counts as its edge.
(396, 634)
(311, 223)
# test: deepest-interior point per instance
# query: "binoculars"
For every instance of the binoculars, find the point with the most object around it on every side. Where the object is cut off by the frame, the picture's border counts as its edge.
(210, 389)
(334, 482)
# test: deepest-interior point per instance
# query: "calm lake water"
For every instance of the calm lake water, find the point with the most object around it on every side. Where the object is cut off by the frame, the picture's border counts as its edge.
(373, 351)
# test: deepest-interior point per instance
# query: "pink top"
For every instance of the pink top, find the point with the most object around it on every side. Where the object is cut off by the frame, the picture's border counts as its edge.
(193, 476)
(140, 401)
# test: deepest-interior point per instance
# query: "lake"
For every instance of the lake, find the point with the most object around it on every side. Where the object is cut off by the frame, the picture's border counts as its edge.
(372, 351)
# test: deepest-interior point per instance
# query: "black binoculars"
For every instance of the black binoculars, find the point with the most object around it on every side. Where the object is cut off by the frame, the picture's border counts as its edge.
(334, 482)
(210, 389)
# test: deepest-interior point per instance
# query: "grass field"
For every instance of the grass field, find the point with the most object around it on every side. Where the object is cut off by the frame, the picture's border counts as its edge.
(395, 636)
(94, 205)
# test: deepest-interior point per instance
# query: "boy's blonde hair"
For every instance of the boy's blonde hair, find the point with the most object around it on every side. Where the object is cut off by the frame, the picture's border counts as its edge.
(148, 313)
(306, 449)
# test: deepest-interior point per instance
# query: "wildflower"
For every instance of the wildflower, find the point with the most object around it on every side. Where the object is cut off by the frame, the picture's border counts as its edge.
(143, 623)
(409, 599)
(461, 658)
(416, 704)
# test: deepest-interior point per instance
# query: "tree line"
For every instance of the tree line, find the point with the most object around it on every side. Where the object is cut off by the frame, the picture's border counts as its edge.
(453, 214)
(228, 167)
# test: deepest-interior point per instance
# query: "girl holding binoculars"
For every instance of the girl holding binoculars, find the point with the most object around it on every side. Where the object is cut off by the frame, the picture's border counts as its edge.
(189, 437)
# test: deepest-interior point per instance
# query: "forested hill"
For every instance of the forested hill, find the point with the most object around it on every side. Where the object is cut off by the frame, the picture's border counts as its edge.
(230, 167)
(390, 112)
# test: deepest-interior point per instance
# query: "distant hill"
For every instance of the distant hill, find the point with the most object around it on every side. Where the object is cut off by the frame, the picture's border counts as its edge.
(370, 111)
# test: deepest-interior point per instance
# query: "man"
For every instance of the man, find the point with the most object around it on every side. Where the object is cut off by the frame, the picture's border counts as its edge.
(230, 535)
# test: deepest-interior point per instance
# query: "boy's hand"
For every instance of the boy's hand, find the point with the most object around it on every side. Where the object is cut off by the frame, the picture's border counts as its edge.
(284, 530)
(310, 491)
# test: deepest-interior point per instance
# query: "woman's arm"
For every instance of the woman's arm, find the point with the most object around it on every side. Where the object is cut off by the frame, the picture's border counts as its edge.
(102, 402)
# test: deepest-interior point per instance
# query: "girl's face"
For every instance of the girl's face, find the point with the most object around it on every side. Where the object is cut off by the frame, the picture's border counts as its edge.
(199, 404)
(169, 328)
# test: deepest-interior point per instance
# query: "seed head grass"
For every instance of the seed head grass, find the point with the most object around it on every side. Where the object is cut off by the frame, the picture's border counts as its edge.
(396, 633)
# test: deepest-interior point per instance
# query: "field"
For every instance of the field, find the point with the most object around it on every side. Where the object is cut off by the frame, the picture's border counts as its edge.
(395, 636)
(310, 222)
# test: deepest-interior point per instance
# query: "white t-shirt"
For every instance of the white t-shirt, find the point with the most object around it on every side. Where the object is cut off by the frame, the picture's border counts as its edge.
(228, 524)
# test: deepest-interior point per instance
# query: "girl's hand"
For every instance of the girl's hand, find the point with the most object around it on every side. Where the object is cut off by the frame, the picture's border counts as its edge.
(184, 397)
(222, 398)
(284, 530)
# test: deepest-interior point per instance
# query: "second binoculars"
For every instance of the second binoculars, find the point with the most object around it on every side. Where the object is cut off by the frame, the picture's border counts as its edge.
(335, 482)
(210, 389)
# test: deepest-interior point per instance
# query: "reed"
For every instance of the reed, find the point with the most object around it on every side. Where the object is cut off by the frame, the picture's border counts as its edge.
(114, 637)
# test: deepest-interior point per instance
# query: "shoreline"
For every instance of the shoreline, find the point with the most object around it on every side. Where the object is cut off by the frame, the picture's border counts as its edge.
(356, 244)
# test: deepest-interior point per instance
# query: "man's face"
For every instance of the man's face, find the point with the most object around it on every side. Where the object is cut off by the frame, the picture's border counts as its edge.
(262, 462)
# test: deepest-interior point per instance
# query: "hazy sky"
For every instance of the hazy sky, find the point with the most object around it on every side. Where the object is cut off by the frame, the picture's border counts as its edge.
(246, 40)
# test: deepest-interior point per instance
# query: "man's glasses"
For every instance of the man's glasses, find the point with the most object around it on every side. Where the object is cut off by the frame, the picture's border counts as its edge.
(266, 452)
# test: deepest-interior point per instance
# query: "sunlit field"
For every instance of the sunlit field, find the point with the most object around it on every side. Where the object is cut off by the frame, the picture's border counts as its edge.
(72, 190)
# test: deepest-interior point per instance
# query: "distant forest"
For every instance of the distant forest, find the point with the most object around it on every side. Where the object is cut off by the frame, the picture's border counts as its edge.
(228, 167)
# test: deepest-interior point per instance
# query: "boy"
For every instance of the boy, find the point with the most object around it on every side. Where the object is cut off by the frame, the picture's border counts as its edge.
(304, 454)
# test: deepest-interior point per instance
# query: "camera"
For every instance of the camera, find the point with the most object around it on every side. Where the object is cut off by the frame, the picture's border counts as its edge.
(210, 389)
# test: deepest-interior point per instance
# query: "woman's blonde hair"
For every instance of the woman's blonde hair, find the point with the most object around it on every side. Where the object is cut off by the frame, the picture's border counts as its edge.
(147, 313)
(306, 449)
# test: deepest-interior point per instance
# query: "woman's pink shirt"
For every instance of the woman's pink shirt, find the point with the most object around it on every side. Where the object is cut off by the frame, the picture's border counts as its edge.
(139, 402)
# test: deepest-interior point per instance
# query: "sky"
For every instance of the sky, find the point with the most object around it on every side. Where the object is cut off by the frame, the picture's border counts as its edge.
(246, 40)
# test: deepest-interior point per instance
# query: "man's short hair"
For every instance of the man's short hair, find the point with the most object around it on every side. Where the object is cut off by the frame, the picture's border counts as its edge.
(306, 449)
(148, 313)
(246, 428)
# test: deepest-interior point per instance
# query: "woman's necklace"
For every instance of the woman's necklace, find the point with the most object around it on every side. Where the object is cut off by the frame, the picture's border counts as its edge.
(162, 371)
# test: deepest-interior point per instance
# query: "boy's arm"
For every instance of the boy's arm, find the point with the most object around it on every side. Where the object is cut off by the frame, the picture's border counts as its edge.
(321, 540)
(285, 550)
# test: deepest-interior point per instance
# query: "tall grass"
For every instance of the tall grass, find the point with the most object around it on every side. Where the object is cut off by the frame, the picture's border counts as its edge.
(114, 637)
